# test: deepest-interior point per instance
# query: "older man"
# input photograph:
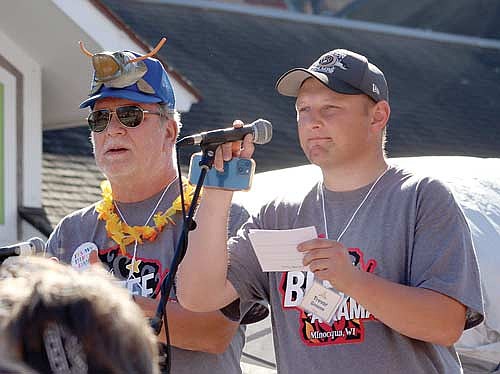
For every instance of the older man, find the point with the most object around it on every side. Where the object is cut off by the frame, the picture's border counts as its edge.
(415, 281)
(134, 229)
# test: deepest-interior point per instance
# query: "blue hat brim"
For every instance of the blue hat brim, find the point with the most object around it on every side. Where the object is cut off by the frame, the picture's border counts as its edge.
(119, 93)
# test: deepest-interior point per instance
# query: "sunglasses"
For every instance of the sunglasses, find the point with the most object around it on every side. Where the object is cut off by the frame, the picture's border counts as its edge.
(129, 116)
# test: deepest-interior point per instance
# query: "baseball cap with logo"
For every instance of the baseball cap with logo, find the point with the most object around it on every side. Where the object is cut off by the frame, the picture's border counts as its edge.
(342, 71)
(129, 75)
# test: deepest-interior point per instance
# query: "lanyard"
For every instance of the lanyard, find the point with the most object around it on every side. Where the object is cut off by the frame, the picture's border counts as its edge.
(130, 273)
(355, 211)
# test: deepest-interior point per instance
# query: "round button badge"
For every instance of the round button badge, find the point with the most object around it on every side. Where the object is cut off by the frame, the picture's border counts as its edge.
(85, 255)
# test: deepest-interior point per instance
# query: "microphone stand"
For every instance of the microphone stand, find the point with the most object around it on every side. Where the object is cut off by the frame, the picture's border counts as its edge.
(156, 322)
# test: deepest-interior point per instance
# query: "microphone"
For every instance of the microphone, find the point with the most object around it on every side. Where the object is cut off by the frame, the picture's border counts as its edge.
(261, 129)
(32, 246)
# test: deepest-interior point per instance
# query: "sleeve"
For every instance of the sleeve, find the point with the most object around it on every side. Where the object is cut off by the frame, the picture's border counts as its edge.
(244, 271)
(54, 243)
(443, 256)
(66, 234)
(254, 312)
(245, 310)
(238, 215)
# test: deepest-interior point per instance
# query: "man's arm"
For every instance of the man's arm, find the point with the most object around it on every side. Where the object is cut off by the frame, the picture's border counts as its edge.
(418, 313)
(207, 332)
(203, 271)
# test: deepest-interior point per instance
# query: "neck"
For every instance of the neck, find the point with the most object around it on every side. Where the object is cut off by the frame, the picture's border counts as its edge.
(353, 175)
(132, 190)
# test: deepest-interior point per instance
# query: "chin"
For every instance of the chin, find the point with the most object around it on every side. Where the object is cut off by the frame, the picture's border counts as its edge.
(113, 173)
(318, 158)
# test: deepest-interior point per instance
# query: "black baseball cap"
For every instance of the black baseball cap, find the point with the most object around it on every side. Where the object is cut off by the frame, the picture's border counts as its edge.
(342, 71)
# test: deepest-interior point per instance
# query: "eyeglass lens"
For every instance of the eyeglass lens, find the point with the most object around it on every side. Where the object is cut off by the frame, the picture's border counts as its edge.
(129, 116)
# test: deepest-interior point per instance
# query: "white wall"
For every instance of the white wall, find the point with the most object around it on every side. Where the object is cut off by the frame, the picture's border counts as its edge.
(32, 119)
(8, 230)
(30, 165)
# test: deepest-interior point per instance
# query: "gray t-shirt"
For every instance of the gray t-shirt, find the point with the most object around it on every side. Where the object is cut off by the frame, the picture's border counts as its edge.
(410, 230)
(82, 228)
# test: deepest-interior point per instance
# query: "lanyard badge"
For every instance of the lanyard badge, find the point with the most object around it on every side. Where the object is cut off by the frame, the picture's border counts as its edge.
(322, 300)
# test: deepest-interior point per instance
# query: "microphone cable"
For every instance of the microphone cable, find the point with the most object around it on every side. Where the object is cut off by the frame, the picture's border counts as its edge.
(185, 228)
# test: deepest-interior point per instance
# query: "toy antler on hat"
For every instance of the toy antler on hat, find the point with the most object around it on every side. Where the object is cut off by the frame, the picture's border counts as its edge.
(120, 69)
(84, 50)
(150, 54)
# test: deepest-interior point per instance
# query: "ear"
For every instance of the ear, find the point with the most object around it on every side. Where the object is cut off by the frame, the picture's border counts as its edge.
(171, 129)
(380, 115)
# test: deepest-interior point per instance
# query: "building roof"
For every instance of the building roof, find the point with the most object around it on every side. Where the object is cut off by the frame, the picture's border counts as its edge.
(443, 94)
(70, 177)
(478, 18)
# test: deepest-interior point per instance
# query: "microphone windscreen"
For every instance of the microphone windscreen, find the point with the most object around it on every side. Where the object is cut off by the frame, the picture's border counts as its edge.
(37, 244)
(263, 131)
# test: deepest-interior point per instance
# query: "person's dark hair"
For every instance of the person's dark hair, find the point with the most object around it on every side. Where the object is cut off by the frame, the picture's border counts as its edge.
(62, 320)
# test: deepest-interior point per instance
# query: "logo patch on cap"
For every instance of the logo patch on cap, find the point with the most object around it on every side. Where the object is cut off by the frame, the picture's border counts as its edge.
(375, 89)
(327, 63)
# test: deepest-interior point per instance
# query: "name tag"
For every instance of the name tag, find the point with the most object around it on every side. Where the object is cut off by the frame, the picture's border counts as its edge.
(321, 301)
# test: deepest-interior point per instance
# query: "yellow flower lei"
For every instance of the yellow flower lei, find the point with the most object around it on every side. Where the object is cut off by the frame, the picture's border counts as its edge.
(124, 234)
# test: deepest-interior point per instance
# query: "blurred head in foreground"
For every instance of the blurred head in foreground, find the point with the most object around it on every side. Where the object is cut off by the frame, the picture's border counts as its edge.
(56, 320)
